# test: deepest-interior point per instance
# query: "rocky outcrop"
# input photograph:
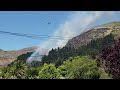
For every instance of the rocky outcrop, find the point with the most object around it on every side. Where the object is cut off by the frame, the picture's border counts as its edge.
(94, 33)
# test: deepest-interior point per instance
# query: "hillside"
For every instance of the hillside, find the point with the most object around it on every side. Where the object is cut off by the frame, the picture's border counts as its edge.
(95, 56)
(6, 57)
(94, 33)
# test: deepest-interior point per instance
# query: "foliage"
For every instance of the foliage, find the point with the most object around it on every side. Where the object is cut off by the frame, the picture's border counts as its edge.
(111, 55)
(73, 68)
(16, 69)
(69, 63)
(80, 68)
(93, 49)
(36, 64)
(49, 71)
(32, 73)
(24, 56)
(103, 74)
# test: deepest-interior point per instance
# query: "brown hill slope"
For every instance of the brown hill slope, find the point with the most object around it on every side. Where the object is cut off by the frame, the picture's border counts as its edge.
(94, 33)
(7, 57)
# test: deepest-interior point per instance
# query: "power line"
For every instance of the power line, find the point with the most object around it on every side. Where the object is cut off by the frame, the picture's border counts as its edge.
(33, 36)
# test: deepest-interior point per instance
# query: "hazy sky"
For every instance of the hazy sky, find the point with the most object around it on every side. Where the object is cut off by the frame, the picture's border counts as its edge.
(63, 23)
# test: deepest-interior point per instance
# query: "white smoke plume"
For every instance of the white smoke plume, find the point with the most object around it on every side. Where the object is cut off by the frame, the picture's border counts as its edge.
(77, 23)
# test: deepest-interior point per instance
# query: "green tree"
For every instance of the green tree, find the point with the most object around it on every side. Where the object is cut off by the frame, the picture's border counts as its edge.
(32, 73)
(36, 64)
(49, 71)
(24, 57)
(80, 68)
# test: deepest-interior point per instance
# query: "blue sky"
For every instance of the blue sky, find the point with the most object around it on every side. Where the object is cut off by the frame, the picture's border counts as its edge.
(29, 22)
(36, 22)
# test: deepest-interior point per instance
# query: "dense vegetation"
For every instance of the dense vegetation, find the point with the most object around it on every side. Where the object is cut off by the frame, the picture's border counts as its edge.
(73, 68)
(24, 57)
(92, 49)
(99, 59)
(111, 58)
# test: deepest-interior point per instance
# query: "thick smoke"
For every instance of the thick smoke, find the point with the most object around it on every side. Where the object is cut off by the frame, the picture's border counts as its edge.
(77, 23)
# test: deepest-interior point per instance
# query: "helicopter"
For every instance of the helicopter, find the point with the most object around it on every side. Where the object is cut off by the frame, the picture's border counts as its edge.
(49, 22)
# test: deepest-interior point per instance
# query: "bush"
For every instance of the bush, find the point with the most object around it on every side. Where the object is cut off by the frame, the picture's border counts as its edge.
(111, 56)
(103, 74)
(80, 68)
(49, 71)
